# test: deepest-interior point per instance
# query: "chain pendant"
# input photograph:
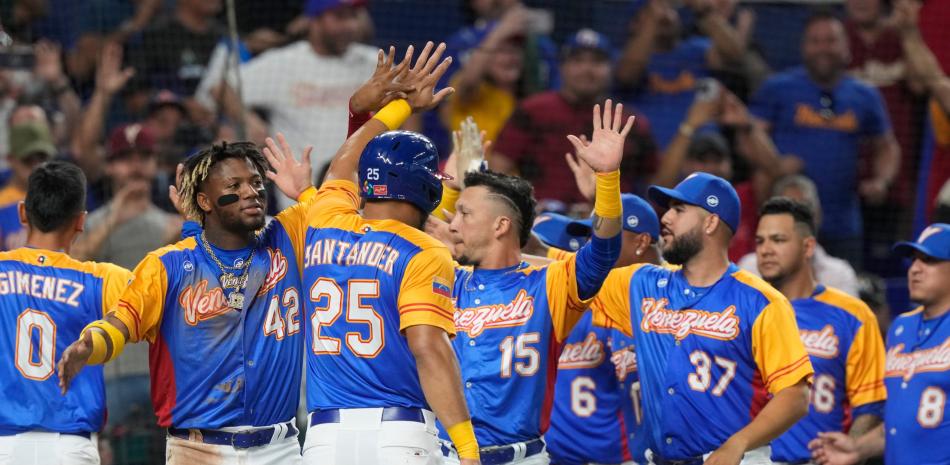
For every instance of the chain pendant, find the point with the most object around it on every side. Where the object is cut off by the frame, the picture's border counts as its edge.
(232, 281)
(236, 300)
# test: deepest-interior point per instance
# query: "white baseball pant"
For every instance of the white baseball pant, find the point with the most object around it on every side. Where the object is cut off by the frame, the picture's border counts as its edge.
(362, 438)
(40, 448)
(280, 451)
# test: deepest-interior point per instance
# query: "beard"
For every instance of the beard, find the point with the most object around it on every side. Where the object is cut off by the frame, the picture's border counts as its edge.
(684, 247)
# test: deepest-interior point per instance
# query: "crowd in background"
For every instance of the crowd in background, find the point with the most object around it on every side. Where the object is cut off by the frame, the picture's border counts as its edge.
(860, 130)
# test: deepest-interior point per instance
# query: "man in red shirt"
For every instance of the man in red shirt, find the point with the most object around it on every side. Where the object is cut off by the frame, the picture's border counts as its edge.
(533, 143)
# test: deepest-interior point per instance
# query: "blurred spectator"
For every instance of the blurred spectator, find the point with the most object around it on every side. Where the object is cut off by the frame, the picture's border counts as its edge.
(745, 75)
(266, 24)
(662, 68)
(305, 87)
(18, 16)
(102, 21)
(534, 141)
(129, 225)
(709, 152)
(878, 59)
(86, 149)
(31, 144)
(175, 50)
(829, 270)
(922, 62)
(487, 85)
(822, 115)
(941, 212)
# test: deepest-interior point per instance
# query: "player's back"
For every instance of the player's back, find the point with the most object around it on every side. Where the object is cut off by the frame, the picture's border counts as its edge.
(369, 280)
(46, 299)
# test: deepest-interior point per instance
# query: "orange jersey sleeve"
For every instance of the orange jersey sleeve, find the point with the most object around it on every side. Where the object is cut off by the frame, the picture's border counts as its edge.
(294, 221)
(611, 306)
(864, 369)
(425, 294)
(115, 280)
(142, 304)
(777, 346)
(336, 197)
(564, 303)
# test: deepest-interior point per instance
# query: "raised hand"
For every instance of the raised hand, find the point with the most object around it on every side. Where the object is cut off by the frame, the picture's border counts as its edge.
(386, 83)
(424, 76)
(905, 15)
(291, 176)
(605, 151)
(583, 173)
(73, 360)
(49, 64)
(472, 148)
(110, 77)
(174, 194)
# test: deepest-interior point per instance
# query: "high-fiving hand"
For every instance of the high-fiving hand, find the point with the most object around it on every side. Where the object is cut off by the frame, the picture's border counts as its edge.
(605, 151)
(290, 175)
(385, 85)
(424, 76)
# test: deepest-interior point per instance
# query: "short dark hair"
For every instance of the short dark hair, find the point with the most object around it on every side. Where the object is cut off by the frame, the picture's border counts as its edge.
(199, 165)
(818, 15)
(517, 191)
(55, 195)
(801, 213)
(708, 146)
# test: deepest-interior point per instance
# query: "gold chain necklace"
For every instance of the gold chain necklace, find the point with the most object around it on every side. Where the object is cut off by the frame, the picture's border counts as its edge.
(228, 279)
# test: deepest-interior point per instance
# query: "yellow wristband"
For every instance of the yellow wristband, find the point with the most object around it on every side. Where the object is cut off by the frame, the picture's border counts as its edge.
(463, 437)
(394, 114)
(449, 197)
(607, 202)
(99, 348)
(115, 337)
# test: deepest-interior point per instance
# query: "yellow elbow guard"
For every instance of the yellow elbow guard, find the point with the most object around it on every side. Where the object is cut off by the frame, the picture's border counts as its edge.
(394, 114)
(463, 437)
(607, 202)
(100, 352)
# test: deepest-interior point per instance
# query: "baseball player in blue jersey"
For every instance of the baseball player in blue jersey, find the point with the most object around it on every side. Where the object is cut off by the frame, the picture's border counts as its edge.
(596, 416)
(722, 368)
(513, 318)
(46, 299)
(379, 359)
(222, 314)
(917, 370)
(840, 333)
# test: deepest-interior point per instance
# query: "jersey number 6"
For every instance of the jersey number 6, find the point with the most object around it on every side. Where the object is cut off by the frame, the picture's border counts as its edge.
(357, 311)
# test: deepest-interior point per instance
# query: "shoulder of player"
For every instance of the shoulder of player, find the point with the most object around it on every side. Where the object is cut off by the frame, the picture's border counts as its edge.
(758, 287)
(841, 300)
(175, 250)
(909, 314)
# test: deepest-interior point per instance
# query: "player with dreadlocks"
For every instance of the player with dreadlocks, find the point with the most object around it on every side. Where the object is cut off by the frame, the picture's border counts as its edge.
(221, 310)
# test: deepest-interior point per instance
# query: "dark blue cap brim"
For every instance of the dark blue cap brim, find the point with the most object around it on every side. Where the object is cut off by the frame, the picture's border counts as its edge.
(907, 248)
(662, 196)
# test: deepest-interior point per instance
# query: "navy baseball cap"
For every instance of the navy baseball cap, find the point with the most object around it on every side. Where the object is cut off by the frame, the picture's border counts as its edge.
(588, 39)
(711, 193)
(638, 217)
(315, 8)
(934, 242)
(561, 232)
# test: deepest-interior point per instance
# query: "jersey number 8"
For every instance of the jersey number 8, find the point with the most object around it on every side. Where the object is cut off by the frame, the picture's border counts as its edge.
(40, 366)
(357, 311)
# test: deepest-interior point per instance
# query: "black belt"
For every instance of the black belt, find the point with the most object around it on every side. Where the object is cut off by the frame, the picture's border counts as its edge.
(321, 417)
(238, 440)
(497, 455)
(657, 460)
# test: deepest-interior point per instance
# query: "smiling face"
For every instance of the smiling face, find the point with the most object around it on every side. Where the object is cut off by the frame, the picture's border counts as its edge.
(480, 219)
(927, 279)
(229, 180)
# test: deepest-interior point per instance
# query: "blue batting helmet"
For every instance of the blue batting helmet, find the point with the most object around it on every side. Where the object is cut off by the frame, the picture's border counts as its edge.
(402, 165)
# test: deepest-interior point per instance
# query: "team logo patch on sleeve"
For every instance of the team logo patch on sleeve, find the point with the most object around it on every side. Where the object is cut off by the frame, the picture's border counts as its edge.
(440, 287)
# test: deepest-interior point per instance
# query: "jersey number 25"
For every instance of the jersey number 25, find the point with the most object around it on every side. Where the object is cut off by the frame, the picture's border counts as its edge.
(357, 311)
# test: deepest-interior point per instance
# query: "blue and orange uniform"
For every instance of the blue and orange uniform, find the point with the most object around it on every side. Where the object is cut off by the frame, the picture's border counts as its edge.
(369, 281)
(46, 299)
(512, 324)
(723, 349)
(843, 340)
(12, 233)
(593, 404)
(213, 366)
(917, 376)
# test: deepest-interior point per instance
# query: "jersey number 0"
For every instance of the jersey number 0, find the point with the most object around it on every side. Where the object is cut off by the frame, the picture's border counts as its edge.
(34, 358)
